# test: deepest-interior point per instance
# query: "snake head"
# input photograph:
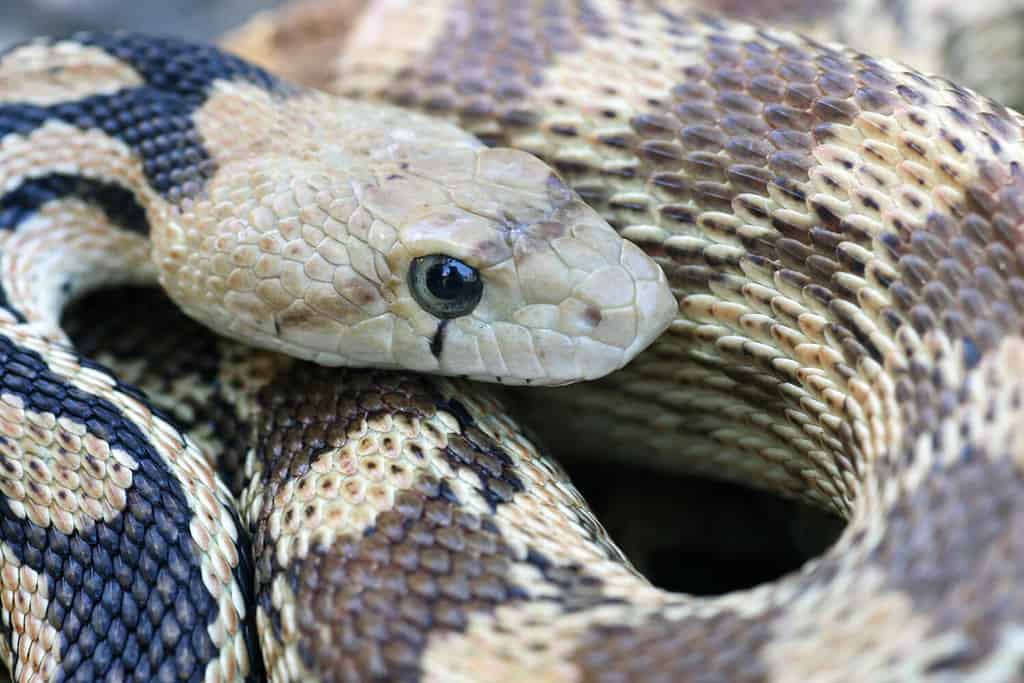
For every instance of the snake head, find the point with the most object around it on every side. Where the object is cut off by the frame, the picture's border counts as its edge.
(509, 276)
(393, 240)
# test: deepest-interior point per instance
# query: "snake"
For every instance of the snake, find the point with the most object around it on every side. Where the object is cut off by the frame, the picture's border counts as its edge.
(653, 232)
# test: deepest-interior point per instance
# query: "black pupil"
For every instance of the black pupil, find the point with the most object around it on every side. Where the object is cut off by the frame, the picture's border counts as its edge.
(448, 279)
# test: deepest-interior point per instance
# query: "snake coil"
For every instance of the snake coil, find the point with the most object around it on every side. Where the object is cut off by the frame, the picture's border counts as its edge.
(841, 236)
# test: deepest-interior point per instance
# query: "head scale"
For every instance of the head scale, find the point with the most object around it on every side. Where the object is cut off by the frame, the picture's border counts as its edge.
(362, 235)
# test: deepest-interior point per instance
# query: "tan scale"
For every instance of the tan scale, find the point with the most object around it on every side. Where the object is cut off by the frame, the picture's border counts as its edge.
(841, 233)
(298, 234)
(87, 483)
(24, 600)
(841, 236)
(44, 76)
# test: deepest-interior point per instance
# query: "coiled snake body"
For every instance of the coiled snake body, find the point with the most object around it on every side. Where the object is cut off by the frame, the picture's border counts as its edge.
(841, 235)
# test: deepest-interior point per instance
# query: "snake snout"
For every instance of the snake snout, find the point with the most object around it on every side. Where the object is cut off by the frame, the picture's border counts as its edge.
(615, 309)
(587, 300)
(651, 309)
(511, 277)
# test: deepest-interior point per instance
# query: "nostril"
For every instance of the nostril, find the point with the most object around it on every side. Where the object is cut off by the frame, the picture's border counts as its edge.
(592, 316)
(577, 318)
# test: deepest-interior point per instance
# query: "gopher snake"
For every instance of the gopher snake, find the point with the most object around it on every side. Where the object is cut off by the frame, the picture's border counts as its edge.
(840, 233)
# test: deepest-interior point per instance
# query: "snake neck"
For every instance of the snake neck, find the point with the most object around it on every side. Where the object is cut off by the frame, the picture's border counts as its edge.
(98, 153)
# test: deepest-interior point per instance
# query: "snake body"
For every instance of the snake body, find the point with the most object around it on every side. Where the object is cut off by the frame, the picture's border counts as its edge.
(329, 229)
(841, 234)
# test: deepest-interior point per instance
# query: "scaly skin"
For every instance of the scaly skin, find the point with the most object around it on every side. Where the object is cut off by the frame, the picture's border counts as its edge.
(289, 219)
(333, 230)
(843, 236)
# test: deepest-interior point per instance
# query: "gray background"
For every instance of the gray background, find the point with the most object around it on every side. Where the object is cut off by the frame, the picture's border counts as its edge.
(200, 19)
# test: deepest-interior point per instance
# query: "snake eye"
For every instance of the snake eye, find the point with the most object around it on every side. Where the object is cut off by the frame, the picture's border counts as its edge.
(445, 286)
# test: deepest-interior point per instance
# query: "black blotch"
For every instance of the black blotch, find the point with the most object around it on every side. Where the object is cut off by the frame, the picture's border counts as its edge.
(116, 584)
(494, 467)
(155, 119)
(116, 201)
(156, 125)
(177, 65)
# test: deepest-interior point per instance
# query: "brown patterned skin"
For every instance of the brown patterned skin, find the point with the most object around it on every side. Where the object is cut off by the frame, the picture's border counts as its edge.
(385, 508)
(427, 564)
(975, 44)
(297, 221)
(336, 230)
(843, 236)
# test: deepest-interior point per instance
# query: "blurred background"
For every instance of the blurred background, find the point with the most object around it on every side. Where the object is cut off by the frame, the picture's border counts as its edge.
(203, 19)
